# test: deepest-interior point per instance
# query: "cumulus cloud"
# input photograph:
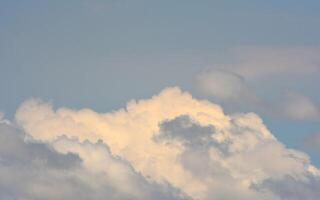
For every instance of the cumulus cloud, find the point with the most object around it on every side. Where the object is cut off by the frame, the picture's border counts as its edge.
(33, 170)
(291, 189)
(174, 139)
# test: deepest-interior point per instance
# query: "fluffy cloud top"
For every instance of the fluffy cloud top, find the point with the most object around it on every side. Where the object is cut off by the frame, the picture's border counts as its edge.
(175, 139)
(30, 170)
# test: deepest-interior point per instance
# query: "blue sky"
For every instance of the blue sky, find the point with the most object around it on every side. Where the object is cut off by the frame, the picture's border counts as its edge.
(247, 56)
(101, 54)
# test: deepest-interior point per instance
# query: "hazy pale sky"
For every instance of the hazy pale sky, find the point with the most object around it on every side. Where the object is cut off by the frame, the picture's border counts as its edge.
(246, 56)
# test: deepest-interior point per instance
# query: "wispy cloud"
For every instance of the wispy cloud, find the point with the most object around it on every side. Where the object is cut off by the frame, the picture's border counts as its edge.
(297, 107)
(262, 62)
(312, 142)
(232, 84)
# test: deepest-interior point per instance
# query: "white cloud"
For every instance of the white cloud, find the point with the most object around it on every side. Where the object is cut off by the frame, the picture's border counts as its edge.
(227, 88)
(33, 170)
(223, 85)
(174, 138)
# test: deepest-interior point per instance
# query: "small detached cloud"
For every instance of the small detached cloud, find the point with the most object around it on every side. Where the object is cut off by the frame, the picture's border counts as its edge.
(298, 107)
(171, 146)
(227, 88)
(232, 90)
(312, 142)
(223, 85)
(231, 82)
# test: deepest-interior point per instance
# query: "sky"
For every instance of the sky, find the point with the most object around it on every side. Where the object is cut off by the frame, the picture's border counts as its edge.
(152, 88)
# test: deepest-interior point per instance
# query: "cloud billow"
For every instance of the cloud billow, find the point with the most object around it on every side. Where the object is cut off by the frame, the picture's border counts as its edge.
(170, 146)
(34, 170)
